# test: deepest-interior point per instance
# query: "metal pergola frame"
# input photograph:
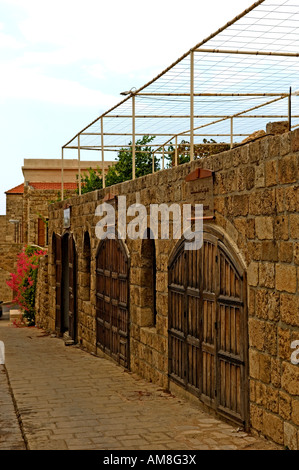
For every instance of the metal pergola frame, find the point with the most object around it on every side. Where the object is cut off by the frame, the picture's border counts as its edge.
(188, 79)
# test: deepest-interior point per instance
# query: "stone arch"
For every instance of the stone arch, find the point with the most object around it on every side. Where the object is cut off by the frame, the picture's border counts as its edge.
(65, 256)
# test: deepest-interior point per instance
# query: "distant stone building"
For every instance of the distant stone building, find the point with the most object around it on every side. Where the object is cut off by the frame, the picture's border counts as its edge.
(26, 219)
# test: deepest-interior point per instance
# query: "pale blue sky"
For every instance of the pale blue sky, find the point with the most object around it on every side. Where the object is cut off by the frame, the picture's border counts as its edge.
(64, 62)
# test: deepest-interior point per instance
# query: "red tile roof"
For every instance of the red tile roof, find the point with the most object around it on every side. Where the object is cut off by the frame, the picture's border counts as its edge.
(17, 190)
(51, 186)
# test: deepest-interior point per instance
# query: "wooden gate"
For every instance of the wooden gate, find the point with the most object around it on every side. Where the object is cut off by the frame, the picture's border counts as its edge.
(112, 294)
(72, 288)
(208, 326)
(66, 286)
(41, 232)
(57, 253)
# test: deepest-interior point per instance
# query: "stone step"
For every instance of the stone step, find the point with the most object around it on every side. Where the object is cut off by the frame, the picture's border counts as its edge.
(15, 314)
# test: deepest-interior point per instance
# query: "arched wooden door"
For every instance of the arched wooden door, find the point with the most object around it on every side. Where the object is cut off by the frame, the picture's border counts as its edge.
(57, 255)
(208, 326)
(112, 300)
(72, 288)
(64, 250)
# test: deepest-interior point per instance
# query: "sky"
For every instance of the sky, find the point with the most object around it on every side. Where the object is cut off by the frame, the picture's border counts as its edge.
(63, 63)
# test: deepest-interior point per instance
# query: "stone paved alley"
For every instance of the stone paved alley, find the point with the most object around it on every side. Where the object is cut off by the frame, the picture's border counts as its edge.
(56, 397)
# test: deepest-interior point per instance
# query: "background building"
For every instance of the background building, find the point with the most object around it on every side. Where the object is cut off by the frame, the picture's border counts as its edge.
(26, 219)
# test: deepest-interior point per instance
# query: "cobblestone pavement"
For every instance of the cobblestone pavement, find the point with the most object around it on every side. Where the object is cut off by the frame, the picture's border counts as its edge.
(59, 397)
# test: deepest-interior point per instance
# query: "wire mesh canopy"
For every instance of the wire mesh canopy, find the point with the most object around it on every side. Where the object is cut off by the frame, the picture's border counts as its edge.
(225, 88)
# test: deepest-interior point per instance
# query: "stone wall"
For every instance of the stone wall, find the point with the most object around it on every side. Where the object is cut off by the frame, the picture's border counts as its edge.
(2, 228)
(42, 294)
(12, 233)
(35, 205)
(10, 243)
(8, 263)
(256, 201)
(26, 208)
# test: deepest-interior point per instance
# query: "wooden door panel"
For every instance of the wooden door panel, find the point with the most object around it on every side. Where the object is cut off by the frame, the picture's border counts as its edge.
(57, 249)
(41, 232)
(72, 287)
(230, 339)
(230, 400)
(177, 348)
(194, 368)
(112, 301)
(177, 324)
(208, 375)
(207, 333)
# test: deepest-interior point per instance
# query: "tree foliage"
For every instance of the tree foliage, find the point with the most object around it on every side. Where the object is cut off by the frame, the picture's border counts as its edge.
(122, 170)
(91, 181)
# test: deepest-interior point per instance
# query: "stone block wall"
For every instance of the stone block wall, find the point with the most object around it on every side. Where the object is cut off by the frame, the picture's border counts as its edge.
(11, 233)
(8, 263)
(256, 202)
(2, 228)
(42, 295)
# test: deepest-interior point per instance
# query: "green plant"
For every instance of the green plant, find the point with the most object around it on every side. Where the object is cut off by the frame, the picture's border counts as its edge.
(23, 282)
(90, 181)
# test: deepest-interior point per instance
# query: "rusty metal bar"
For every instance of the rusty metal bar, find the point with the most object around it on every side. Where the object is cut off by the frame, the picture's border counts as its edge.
(290, 109)
(103, 154)
(62, 182)
(133, 137)
(191, 105)
(198, 116)
(79, 165)
(214, 94)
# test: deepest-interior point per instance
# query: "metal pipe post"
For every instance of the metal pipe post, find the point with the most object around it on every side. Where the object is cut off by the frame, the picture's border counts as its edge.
(290, 109)
(62, 185)
(191, 105)
(103, 161)
(133, 137)
(153, 162)
(79, 165)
